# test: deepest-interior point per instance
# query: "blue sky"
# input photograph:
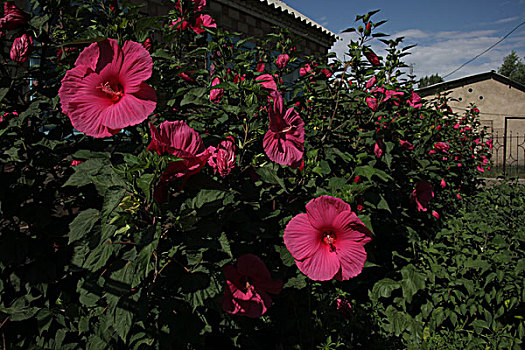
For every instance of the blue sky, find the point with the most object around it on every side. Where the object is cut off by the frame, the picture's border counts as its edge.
(448, 33)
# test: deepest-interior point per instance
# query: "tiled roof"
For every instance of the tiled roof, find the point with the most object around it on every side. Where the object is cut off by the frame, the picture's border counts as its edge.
(287, 9)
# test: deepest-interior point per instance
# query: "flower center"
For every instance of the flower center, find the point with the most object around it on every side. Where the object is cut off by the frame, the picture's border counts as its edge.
(114, 93)
(329, 238)
(246, 283)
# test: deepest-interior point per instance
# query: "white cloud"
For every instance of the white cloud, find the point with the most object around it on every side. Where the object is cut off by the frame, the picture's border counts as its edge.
(443, 52)
(506, 20)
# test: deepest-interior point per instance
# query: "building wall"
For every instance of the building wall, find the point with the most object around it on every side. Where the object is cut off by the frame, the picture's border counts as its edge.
(254, 18)
(495, 101)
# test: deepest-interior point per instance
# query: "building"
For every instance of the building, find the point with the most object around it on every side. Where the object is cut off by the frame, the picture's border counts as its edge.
(257, 17)
(501, 102)
(496, 96)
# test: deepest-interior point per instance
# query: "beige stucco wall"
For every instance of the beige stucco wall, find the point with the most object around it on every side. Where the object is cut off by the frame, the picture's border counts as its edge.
(495, 101)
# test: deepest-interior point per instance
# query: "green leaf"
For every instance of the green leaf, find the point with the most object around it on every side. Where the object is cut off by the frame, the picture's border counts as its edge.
(368, 172)
(383, 288)
(298, 282)
(123, 322)
(3, 92)
(269, 175)
(82, 224)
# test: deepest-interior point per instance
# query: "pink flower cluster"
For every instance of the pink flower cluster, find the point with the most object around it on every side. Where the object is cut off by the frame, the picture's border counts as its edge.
(380, 95)
(190, 16)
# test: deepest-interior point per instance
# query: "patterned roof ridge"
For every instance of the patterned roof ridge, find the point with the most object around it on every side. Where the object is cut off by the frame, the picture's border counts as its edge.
(278, 4)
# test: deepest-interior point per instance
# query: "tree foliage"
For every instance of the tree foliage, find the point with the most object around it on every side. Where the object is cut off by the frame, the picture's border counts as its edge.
(429, 80)
(513, 68)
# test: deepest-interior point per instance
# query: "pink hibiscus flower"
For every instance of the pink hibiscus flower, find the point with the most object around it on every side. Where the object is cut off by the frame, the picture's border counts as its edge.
(406, 144)
(442, 146)
(372, 57)
(372, 103)
(178, 139)
(216, 94)
(443, 183)
(415, 100)
(284, 141)
(201, 22)
(267, 82)
(327, 242)
(222, 157)
(371, 82)
(435, 214)
(379, 148)
(282, 61)
(305, 70)
(247, 287)
(105, 91)
(13, 17)
(21, 48)
(422, 194)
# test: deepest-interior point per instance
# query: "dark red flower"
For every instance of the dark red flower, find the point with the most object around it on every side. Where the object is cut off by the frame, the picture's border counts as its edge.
(21, 48)
(372, 57)
(13, 17)
(248, 286)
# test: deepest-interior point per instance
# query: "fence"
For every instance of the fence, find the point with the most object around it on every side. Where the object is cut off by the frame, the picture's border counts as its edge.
(508, 154)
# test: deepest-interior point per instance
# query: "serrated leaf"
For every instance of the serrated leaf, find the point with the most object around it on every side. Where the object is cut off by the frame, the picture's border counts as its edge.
(270, 176)
(82, 224)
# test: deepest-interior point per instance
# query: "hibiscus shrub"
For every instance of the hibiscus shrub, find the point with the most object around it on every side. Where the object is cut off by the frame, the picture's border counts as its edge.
(168, 185)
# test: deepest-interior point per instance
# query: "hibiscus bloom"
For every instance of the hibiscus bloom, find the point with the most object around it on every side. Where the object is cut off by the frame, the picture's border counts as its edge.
(372, 57)
(216, 94)
(267, 82)
(371, 82)
(372, 103)
(443, 183)
(282, 61)
(379, 148)
(13, 17)
(201, 22)
(435, 214)
(422, 194)
(247, 287)
(327, 242)
(222, 157)
(178, 139)
(305, 70)
(105, 91)
(442, 146)
(406, 144)
(21, 48)
(284, 140)
(415, 101)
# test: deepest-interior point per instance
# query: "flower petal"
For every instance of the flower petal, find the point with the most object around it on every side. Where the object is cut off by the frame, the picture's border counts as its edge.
(137, 66)
(323, 211)
(252, 266)
(349, 228)
(83, 103)
(131, 109)
(97, 55)
(321, 266)
(352, 257)
(300, 238)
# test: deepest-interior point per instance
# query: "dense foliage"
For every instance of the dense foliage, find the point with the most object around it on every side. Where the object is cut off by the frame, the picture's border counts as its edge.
(169, 232)
(513, 67)
(428, 80)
